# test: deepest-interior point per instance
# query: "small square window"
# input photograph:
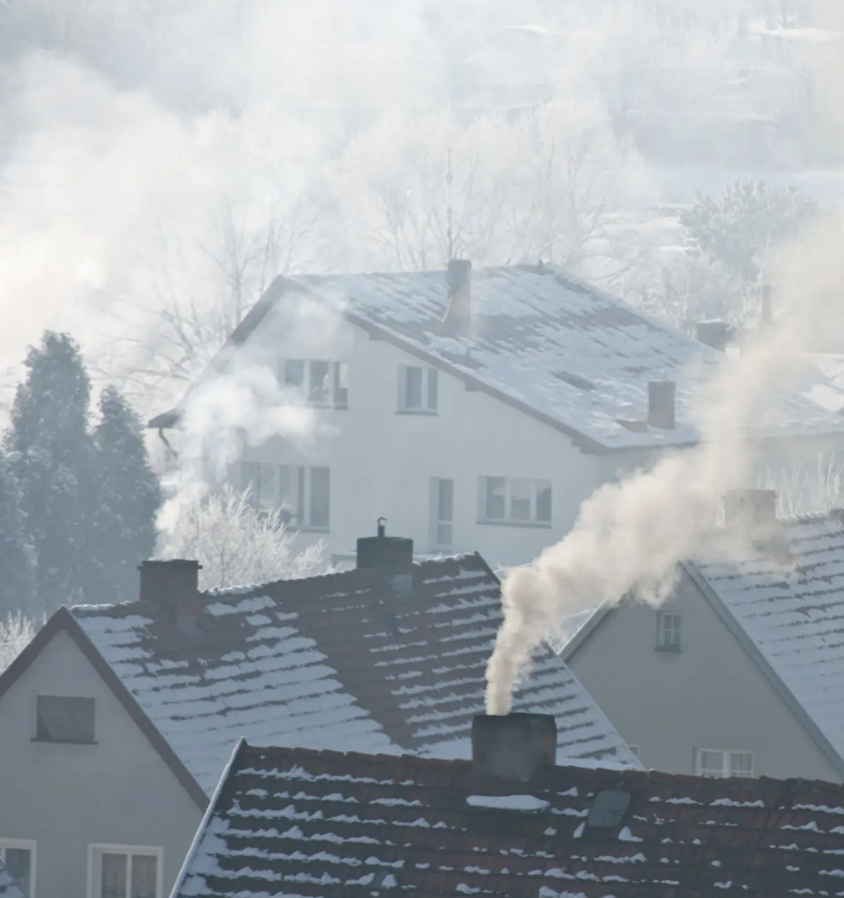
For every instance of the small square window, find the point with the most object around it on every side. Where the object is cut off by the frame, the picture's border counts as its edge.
(125, 872)
(667, 631)
(62, 718)
(18, 856)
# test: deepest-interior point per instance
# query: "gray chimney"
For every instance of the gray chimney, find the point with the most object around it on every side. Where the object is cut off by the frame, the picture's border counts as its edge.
(714, 334)
(172, 585)
(390, 556)
(767, 310)
(458, 313)
(661, 403)
(750, 509)
(511, 748)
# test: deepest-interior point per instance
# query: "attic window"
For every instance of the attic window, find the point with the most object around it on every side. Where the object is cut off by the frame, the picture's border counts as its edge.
(574, 380)
(608, 810)
(62, 718)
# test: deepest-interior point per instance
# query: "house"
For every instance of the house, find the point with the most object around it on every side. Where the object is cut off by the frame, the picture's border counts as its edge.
(473, 410)
(8, 887)
(120, 718)
(507, 823)
(741, 671)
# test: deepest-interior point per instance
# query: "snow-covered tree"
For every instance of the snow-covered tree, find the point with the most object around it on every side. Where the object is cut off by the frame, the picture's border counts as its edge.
(127, 497)
(16, 630)
(17, 572)
(745, 222)
(237, 544)
(51, 455)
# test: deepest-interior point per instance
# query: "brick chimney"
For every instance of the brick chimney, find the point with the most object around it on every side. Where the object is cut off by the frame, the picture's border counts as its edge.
(713, 333)
(458, 313)
(661, 404)
(390, 556)
(511, 749)
(172, 585)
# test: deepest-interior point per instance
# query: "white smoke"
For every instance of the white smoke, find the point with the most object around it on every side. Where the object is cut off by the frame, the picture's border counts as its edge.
(631, 536)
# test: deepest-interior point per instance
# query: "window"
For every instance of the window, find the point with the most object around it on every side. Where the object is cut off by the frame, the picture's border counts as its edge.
(19, 857)
(62, 718)
(418, 390)
(317, 382)
(302, 495)
(722, 763)
(121, 871)
(515, 500)
(442, 513)
(667, 631)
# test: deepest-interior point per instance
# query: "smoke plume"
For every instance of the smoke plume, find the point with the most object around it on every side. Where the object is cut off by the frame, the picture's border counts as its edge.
(631, 536)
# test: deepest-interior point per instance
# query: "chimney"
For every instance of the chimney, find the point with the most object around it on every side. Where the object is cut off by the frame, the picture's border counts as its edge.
(458, 313)
(390, 556)
(172, 585)
(767, 311)
(661, 403)
(750, 509)
(511, 748)
(714, 334)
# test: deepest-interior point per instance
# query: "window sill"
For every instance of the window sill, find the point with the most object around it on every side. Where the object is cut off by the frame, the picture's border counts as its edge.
(64, 741)
(668, 649)
(524, 525)
(425, 413)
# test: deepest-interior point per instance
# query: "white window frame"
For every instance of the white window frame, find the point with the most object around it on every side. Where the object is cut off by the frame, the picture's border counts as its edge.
(726, 763)
(31, 846)
(303, 518)
(508, 520)
(336, 371)
(675, 643)
(439, 523)
(430, 399)
(96, 851)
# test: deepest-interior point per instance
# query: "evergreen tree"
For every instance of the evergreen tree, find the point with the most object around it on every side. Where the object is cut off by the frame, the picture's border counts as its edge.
(17, 571)
(51, 456)
(126, 501)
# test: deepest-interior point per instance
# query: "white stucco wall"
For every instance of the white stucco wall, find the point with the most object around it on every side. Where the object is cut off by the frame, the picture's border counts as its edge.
(66, 797)
(381, 461)
(709, 695)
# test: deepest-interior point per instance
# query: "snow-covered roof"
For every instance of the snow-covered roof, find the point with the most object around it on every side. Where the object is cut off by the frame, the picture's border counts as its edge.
(795, 618)
(292, 822)
(822, 381)
(8, 887)
(331, 661)
(546, 342)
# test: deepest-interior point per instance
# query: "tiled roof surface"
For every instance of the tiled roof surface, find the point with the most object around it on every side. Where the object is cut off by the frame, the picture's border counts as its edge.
(336, 661)
(559, 346)
(796, 617)
(8, 888)
(292, 822)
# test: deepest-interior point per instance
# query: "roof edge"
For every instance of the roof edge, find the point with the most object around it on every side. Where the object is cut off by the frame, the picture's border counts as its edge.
(206, 818)
(63, 621)
(768, 671)
(595, 619)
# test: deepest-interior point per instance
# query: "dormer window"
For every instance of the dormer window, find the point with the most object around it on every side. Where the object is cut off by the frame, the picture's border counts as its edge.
(316, 382)
(418, 390)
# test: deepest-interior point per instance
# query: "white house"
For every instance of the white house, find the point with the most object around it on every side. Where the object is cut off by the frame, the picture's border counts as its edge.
(475, 411)
(116, 721)
(741, 671)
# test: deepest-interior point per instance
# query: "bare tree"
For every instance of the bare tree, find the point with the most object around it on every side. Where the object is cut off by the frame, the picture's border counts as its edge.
(807, 487)
(237, 544)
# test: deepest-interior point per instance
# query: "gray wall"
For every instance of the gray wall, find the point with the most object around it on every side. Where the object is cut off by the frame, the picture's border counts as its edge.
(710, 695)
(65, 797)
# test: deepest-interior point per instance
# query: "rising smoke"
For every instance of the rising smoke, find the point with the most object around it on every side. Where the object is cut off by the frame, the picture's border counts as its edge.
(631, 536)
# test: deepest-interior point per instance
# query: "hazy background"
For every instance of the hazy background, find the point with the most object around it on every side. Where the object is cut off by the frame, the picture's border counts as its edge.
(161, 161)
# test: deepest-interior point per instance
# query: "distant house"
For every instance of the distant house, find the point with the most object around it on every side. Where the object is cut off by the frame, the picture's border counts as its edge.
(472, 410)
(8, 887)
(741, 671)
(338, 825)
(119, 719)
